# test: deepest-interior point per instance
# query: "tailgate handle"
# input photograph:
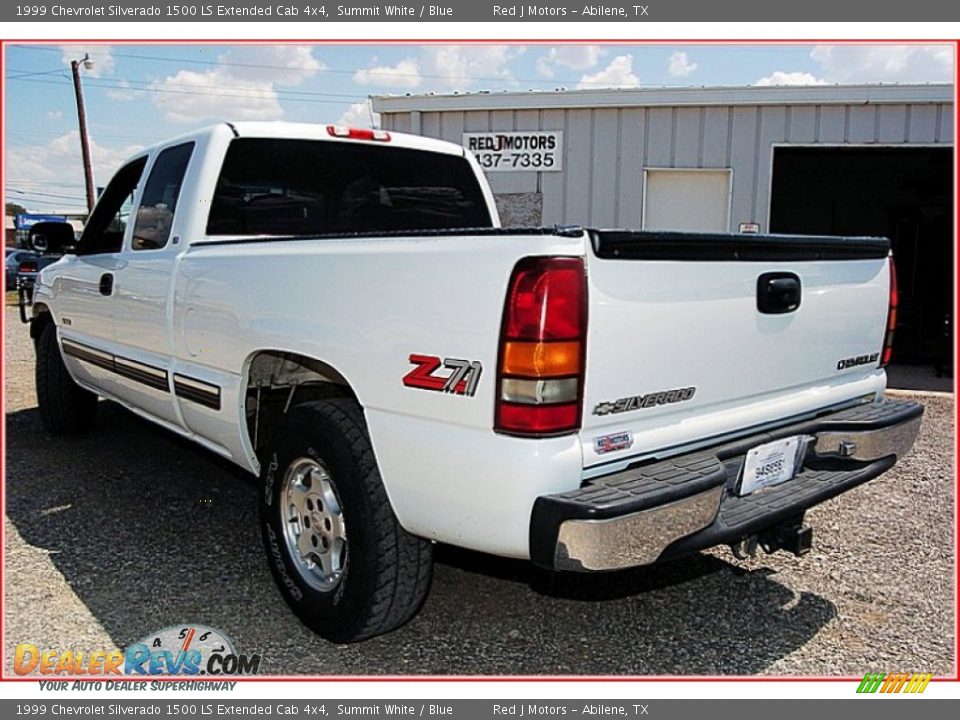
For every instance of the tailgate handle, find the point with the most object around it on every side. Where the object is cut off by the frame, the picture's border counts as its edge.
(778, 293)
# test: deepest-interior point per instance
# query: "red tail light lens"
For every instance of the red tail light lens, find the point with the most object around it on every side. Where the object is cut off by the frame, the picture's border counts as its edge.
(545, 300)
(542, 348)
(891, 317)
(27, 266)
(538, 420)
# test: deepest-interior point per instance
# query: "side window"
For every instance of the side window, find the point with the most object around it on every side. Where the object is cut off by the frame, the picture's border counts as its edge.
(104, 230)
(159, 200)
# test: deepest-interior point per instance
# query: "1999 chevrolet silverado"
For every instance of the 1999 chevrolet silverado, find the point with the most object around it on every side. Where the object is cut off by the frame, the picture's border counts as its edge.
(338, 311)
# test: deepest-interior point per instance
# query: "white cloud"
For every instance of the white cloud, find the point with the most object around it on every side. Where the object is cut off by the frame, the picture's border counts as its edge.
(779, 77)
(679, 65)
(884, 63)
(574, 57)
(456, 67)
(358, 115)
(103, 61)
(444, 67)
(242, 86)
(405, 73)
(618, 74)
(124, 93)
(54, 114)
(277, 64)
(215, 95)
(59, 163)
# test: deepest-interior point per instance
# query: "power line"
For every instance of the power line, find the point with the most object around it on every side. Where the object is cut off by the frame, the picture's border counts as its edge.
(336, 71)
(53, 135)
(46, 195)
(25, 73)
(42, 184)
(49, 151)
(54, 207)
(252, 91)
(253, 94)
(126, 85)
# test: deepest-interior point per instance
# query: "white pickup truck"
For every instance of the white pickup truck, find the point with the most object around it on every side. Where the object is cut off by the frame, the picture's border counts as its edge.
(338, 311)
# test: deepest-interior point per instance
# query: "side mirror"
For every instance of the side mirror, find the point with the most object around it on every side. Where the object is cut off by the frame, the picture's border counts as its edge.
(53, 238)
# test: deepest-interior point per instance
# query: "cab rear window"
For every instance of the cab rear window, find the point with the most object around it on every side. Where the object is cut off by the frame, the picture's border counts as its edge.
(310, 187)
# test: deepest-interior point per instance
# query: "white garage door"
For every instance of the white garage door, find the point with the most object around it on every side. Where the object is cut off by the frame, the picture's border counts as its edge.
(686, 200)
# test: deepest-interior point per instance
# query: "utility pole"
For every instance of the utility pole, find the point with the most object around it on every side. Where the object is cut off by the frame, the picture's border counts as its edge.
(82, 117)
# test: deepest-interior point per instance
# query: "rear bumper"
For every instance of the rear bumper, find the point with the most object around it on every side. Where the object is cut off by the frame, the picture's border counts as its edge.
(686, 503)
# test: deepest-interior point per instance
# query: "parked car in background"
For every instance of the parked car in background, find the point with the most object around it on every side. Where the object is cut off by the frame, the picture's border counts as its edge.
(49, 241)
(14, 256)
(26, 272)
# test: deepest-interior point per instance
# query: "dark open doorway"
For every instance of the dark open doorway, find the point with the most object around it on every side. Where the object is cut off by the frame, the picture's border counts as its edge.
(903, 193)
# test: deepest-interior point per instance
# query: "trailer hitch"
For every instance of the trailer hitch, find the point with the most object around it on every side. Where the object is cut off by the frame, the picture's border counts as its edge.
(790, 535)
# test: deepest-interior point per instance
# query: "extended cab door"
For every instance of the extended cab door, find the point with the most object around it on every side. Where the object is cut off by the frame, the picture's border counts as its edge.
(84, 284)
(143, 290)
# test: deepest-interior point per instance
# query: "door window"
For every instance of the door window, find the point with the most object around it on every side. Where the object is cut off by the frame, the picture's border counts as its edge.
(159, 200)
(104, 230)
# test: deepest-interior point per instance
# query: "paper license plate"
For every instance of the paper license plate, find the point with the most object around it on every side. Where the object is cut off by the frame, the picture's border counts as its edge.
(769, 464)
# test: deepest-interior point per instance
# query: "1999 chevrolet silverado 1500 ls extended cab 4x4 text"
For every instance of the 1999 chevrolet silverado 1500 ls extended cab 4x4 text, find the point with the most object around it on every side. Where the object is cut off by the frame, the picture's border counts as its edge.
(338, 311)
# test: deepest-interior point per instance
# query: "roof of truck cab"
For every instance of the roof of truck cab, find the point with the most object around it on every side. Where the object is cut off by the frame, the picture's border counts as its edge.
(302, 131)
(318, 131)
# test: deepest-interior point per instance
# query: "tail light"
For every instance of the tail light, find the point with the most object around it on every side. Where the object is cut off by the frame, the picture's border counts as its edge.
(349, 133)
(542, 347)
(891, 317)
(27, 266)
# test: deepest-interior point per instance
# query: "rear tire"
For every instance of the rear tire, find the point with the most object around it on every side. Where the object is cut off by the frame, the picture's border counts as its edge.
(65, 407)
(342, 561)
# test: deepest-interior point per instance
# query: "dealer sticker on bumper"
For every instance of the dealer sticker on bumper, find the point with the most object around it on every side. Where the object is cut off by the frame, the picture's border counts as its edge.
(770, 464)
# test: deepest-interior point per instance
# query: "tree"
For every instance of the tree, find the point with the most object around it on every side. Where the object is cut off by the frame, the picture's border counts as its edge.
(14, 209)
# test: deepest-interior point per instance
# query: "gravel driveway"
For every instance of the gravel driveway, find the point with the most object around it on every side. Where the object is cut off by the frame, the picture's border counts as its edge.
(129, 529)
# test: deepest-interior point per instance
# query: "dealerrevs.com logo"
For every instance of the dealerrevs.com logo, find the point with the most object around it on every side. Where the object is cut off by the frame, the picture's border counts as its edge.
(184, 650)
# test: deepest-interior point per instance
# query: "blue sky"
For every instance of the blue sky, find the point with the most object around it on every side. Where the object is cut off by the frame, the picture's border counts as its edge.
(139, 94)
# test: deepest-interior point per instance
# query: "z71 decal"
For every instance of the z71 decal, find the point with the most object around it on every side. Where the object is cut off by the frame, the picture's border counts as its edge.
(462, 380)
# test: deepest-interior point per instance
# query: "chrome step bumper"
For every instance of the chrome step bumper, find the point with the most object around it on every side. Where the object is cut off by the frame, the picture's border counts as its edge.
(684, 504)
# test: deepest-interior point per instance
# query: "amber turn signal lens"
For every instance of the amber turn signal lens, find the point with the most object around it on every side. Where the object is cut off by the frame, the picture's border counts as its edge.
(541, 359)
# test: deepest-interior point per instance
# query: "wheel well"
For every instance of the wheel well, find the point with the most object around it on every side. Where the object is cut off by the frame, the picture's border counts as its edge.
(277, 380)
(41, 318)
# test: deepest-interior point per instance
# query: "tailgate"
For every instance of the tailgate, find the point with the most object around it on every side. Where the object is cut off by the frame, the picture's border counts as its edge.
(679, 351)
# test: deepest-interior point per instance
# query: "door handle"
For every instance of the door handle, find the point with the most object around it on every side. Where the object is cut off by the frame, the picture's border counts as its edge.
(778, 293)
(106, 284)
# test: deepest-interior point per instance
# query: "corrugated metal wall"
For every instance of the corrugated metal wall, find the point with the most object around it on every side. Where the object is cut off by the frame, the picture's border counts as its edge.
(607, 149)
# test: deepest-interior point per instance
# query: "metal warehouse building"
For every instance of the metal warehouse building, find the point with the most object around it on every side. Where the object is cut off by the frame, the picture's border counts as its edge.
(843, 160)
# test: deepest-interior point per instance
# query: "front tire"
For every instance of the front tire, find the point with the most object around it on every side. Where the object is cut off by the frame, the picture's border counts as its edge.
(65, 407)
(338, 553)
